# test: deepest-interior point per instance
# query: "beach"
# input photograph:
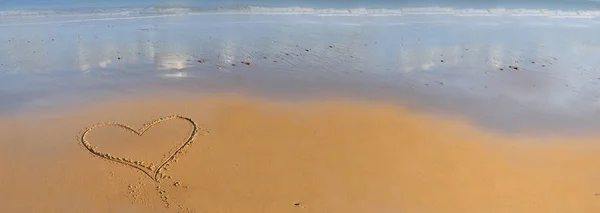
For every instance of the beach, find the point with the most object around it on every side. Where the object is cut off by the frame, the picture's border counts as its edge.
(292, 109)
(259, 155)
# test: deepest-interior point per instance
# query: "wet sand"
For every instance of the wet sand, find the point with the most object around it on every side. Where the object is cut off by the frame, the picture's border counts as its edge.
(261, 155)
(444, 64)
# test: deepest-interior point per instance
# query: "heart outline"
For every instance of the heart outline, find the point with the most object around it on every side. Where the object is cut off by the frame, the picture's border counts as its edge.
(140, 132)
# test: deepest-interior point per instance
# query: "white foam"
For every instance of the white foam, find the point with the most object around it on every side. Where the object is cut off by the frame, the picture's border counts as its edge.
(314, 11)
(416, 11)
(83, 20)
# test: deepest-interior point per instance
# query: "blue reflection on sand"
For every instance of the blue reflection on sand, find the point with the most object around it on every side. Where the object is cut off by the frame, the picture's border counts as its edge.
(447, 64)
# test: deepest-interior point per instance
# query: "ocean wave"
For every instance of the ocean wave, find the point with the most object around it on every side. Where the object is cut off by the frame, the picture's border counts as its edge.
(308, 11)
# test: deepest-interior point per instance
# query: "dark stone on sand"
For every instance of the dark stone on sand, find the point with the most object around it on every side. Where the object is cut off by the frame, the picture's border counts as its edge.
(201, 61)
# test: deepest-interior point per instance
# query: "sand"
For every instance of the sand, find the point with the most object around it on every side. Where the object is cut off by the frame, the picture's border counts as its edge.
(258, 155)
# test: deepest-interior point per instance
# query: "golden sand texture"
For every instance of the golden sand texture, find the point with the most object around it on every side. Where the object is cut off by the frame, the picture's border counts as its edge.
(275, 156)
(152, 171)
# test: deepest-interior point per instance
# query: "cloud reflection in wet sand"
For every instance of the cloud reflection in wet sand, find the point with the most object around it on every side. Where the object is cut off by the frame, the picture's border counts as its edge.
(460, 66)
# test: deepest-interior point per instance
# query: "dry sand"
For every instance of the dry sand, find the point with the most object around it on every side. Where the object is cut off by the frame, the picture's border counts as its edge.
(255, 155)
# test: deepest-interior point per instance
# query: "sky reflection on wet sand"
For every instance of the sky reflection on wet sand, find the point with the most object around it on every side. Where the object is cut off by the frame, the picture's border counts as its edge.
(460, 65)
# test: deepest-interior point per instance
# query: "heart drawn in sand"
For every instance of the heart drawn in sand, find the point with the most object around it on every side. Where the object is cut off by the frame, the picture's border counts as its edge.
(151, 171)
